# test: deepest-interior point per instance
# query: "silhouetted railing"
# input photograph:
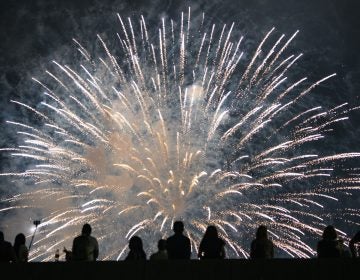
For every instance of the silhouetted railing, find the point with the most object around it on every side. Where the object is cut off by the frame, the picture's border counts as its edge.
(289, 269)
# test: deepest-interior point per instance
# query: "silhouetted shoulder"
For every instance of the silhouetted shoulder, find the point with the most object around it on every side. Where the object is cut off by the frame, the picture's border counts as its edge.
(135, 255)
(328, 249)
(178, 247)
(262, 249)
(7, 253)
(161, 255)
(355, 239)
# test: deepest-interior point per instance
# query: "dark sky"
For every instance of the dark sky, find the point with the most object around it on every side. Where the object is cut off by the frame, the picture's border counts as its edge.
(35, 32)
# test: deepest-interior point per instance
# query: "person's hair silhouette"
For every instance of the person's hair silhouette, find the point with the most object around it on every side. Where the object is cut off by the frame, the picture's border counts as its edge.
(178, 227)
(329, 233)
(86, 229)
(178, 245)
(261, 246)
(136, 249)
(21, 251)
(211, 246)
(329, 246)
(261, 232)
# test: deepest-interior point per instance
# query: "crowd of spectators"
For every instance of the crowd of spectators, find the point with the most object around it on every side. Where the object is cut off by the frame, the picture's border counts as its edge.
(85, 247)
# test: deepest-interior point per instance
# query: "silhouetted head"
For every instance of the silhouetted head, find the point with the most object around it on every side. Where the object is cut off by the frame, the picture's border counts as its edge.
(19, 240)
(1, 236)
(211, 232)
(261, 232)
(162, 245)
(178, 227)
(329, 233)
(86, 229)
(135, 243)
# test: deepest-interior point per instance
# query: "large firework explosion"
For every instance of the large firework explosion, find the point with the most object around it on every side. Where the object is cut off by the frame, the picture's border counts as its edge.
(178, 123)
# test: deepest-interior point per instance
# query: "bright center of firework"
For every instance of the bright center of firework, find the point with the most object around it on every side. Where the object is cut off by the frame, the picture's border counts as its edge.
(178, 127)
(195, 92)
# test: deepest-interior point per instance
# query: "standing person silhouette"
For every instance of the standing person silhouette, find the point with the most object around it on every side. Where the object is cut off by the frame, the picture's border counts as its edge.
(211, 246)
(178, 245)
(355, 239)
(261, 246)
(329, 246)
(85, 247)
(21, 251)
(7, 253)
(136, 249)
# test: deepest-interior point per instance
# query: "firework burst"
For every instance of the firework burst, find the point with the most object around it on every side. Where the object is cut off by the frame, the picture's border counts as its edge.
(173, 124)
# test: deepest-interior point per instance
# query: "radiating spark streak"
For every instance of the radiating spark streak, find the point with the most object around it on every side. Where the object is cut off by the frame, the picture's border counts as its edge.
(283, 48)
(257, 71)
(209, 213)
(128, 209)
(229, 192)
(94, 201)
(63, 226)
(13, 207)
(31, 109)
(313, 86)
(257, 52)
(83, 50)
(251, 133)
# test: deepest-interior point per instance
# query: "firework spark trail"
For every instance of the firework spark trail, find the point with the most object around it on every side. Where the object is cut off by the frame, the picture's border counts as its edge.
(176, 126)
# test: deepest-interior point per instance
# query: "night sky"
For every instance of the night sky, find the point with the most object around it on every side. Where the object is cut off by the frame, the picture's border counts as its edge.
(35, 32)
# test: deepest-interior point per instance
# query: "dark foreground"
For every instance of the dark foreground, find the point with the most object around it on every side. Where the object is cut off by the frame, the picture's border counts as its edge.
(305, 269)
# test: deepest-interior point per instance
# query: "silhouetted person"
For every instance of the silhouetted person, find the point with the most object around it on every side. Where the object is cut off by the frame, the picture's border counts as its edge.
(178, 245)
(329, 246)
(355, 239)
(136, 249)
(7, 253)
(261, 246)
(85, 247)
(21, 251)
(211, 246)
(161, 254)
(68, 254)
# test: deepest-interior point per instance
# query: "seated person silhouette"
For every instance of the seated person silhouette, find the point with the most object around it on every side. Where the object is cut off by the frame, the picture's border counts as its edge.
(261, 246)
(21, 251)
(136, 249)
(211, 246)
(7, 253)
(161, 254)
(178, 245)
(85, 247)
(353, 241)
(329, 246)
(68, 255)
